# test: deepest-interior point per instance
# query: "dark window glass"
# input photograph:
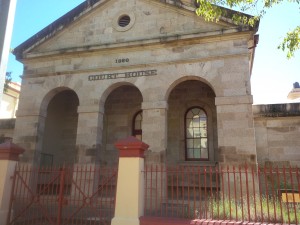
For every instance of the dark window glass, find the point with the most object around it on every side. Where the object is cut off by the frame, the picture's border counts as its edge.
(137, 125)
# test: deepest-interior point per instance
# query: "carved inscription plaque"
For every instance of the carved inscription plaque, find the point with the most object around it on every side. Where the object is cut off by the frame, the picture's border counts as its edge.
(107, 76)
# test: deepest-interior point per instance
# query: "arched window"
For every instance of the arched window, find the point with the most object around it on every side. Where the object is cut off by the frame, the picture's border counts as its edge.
(137, 125)
(196, 145)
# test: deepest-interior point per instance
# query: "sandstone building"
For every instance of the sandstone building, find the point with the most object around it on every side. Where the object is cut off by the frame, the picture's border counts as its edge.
(295, 92)
(10, 100)
(8, 108)
(7, 15)
(152, 69)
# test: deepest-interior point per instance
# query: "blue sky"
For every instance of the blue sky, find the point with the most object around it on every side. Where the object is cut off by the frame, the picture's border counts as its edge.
(273, 74)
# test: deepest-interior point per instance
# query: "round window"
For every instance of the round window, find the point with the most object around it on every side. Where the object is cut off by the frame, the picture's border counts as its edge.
(124, 21)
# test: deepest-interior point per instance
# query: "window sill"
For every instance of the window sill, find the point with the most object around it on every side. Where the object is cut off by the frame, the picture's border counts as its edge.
(198, 163)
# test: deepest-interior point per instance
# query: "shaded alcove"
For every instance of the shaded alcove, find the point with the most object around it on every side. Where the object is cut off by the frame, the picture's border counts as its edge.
(121, 107)
(185, 96)
(59, 139)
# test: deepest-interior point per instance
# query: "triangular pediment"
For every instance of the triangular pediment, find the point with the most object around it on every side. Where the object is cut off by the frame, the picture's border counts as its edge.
(148, 20)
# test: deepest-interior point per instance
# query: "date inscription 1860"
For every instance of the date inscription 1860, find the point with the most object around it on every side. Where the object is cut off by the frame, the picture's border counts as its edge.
(123, 60)
(141, 73)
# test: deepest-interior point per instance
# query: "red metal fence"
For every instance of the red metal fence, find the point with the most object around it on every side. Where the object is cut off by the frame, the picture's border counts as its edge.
(74, 195)
(268, 195)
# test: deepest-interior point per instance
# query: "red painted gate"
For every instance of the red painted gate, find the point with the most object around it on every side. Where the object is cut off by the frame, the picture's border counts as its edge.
(63, 196)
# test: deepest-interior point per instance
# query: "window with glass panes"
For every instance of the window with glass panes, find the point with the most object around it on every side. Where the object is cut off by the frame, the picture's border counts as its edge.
(196, 134)
(137, 125)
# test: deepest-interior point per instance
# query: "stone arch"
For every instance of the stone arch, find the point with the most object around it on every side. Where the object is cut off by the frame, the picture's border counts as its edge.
(183, 94)
(59, 127)
(121, 103)
(113, 87)
(186, 78)
(49, 96)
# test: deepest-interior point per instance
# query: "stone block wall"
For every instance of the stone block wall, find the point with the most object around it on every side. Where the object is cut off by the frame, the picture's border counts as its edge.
(277, 131)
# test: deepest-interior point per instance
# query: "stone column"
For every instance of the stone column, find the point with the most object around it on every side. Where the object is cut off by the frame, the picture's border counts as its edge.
(88, 145)
(236, 136)
(28, 132)
(130, 185)
(9, 156)
(89, 134)
(155, 130)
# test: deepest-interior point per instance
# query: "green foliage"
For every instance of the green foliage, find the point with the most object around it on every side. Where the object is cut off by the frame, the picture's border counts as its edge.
(291, 42)
(213, 10)
(7, 81)
(209, 11)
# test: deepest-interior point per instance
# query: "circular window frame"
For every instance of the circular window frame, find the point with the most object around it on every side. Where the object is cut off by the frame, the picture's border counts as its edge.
(116, 25)
(124, 21)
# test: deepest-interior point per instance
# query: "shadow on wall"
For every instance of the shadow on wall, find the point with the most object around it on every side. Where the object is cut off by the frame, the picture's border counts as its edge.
(7, 127)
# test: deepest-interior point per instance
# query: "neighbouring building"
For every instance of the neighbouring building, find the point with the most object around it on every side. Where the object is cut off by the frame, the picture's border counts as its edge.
(7, 15)
(8, 109)
(277, 132)
(10, 101)
(152, 69)
(295, 92)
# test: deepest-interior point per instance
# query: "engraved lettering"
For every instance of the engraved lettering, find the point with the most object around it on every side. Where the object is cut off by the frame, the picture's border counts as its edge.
(122, 75)
(122, 60)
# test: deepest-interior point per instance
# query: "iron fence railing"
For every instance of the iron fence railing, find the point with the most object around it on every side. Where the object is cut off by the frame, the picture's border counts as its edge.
(243, 193)
(63, 195)
(86, 194)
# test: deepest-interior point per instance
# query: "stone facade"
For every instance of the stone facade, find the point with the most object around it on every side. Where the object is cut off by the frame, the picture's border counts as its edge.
(277, 129)
(10, 101)
(8, 109)
(163, 60)
(295, 92)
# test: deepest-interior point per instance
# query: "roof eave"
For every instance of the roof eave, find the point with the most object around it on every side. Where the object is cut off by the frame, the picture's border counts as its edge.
(65, 20)
(54, 27)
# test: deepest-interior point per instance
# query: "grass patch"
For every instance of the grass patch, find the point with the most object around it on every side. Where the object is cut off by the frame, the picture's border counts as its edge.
(265, 209)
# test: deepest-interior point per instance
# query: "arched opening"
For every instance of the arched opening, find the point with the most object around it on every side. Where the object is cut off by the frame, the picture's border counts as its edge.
(195, 126)
(121, 107)
(192, 123)
(137, 125)
(60, 131)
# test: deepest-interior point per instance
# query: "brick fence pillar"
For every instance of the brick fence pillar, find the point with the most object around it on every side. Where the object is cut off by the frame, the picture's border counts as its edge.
(130, 187)
(9, 156)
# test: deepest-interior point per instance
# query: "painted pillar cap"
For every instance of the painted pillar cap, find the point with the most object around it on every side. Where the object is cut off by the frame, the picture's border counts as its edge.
(131, 147)
(10, 151)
